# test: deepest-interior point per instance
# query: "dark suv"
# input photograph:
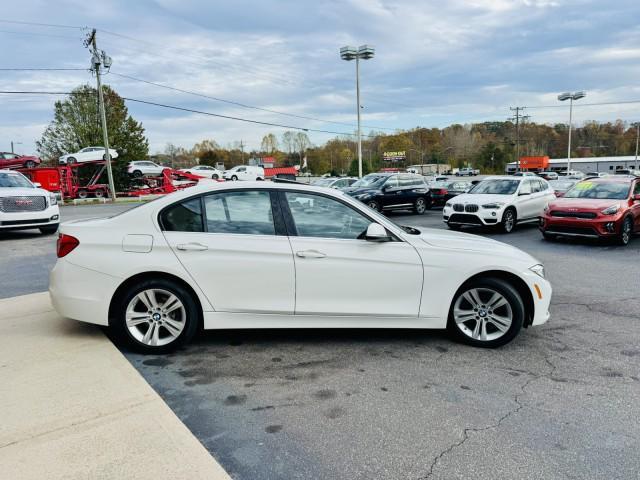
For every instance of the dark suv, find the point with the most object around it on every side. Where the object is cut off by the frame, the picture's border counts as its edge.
(390, 191)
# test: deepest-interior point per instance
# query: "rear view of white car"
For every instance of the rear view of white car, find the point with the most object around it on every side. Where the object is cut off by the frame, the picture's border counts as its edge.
(23, 205)
(88, 154)
(244, 172)
(499, 201)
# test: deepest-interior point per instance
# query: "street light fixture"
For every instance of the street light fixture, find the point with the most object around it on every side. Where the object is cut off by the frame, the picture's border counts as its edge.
(348, 53)
(571, 97)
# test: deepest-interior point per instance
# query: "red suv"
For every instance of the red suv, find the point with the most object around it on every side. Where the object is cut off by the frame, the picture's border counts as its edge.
(607, 207)
(13, 160)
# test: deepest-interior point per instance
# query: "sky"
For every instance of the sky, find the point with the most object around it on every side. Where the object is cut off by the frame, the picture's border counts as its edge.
(436, 63)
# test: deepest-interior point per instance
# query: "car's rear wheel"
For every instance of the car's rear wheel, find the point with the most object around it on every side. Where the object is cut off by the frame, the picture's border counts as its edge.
(486, 312)
(82, 194)
(420, 205)
(29, 164)
(49, 229)
(625, 232)
(99, 193)
(155, 316)
(508, 220)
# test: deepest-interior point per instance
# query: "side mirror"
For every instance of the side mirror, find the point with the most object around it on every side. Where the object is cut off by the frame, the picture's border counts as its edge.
(376, 233)
(37, 184)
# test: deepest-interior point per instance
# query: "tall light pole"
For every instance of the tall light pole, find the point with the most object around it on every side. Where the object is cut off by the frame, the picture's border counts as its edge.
(637, 125)
(571, 97)
(348, 53)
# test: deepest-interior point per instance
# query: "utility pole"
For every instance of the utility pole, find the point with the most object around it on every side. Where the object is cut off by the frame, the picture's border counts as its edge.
(517, 118)
(20, 143)
(637, 125)
(99, 58)
(242, 151)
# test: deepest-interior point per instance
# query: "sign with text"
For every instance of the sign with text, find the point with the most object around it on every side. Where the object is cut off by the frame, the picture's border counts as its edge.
(394, 156)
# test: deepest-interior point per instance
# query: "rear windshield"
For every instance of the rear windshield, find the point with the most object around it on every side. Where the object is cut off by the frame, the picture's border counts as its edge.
(599, 190)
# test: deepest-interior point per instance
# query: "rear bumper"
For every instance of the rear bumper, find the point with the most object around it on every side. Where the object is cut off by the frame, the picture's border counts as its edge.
(81, 294)
(601, 227)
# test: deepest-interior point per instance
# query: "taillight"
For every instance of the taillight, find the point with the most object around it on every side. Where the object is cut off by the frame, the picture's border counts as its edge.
(440, 191)
(66, 244)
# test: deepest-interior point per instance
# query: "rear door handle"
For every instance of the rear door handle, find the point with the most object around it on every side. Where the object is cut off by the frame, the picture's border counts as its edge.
(311, 254)
(192, 247)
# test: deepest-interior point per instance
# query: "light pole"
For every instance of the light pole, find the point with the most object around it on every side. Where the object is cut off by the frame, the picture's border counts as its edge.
(637, 125)
(349, 53)
(571, 97)
(20, 143)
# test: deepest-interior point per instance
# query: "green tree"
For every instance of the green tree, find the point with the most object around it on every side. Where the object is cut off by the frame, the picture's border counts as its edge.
(76, 124)
(353, 168)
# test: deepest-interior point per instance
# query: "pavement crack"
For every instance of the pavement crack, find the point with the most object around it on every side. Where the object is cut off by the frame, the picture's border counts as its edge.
(468, 430)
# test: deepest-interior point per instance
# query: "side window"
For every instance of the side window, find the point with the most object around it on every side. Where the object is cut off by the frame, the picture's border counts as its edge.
(183, 217)
(241, 169)
(392, 182)
(417, 180)
(246, 212)
(525, 188)
(535, 186)
(636, 189)
(405, 180)
(318, 216)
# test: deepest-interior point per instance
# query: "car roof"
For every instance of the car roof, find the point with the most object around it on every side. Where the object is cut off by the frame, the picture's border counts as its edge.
(612, 179)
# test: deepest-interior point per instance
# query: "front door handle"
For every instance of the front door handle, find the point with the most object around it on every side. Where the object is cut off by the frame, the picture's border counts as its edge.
(192, 247)
(311, 254)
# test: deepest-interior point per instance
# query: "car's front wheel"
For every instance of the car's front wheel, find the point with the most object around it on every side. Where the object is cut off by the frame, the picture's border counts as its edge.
(508, 220)
(234, 178)
(625, 232)
(71, 160)
(486, 312)
(155, 316)
(29, 164)
(214, 176)
(374, 205)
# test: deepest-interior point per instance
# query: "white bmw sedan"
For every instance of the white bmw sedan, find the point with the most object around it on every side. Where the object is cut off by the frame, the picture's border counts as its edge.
(275, 255)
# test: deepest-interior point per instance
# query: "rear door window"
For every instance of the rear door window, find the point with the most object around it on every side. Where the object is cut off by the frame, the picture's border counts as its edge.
(246, 212)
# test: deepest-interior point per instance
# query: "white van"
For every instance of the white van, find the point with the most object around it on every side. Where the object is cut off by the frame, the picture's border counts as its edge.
(244, 172)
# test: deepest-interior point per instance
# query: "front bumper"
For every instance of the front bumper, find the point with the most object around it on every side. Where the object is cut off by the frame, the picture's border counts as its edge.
(603, 226)
(483, 217)
(25, 220)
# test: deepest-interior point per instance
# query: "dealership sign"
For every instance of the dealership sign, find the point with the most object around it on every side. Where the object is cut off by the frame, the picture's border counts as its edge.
(394, 156)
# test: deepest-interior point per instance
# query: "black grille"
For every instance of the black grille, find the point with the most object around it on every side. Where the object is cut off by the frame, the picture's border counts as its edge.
(464, 218)
(24, 222)
(572, 230)
(458, 207)
(471, 208)
(559, 213)
(23, 204)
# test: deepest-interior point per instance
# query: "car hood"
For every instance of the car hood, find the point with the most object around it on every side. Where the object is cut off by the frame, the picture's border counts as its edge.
(473, 243)
(564, 203)
(482, 199)
(22, 192)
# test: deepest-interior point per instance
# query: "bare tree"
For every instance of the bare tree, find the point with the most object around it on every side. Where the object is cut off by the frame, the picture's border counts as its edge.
(301, 143)
(288, 139)
(269, 143)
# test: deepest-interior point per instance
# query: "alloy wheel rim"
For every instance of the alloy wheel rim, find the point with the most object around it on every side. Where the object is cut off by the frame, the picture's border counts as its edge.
(508, 222)
(155, 317)
(373, 205)
(626, 230)
(483, 314)
(420, 206)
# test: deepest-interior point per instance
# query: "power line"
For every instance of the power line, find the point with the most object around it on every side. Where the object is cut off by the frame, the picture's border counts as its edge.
(14, 32)
(36, 24)
(184, 109)
(44, 69)
(243, 105)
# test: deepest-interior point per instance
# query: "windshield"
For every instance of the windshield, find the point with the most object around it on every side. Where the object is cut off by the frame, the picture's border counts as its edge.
(14, 179)
(370, 181)
(562, 185)
(499, 186)
(597, 190)
(325, 182)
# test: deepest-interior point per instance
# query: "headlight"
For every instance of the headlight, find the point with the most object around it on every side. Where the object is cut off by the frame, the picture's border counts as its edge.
(53, 200)
(493, 206)
(611, 210)
(538, 269)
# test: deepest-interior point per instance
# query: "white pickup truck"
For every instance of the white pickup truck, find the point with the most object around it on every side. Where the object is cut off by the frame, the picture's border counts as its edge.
(467, 171)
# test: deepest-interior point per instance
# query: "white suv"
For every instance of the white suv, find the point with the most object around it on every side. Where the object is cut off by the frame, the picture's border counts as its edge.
(503, 201)
(204, 171)
(144, 167)
(244, 172)
(23, 205)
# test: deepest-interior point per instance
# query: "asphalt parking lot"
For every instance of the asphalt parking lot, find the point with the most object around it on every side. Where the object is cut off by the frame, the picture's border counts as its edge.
(561, 401)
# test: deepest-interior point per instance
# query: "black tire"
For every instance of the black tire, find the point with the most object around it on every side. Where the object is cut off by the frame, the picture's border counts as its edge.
(137, 174)
(626, 232)
(234, 178)
(124, 337)
(99, 193)
(71, 160)
(549, 237)
(214, 176)
(83, 194)
(374, 205)
(509, 219)
(420, 206)
(508, 292)
(49, 229)
(259, 179)
(29, 164)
